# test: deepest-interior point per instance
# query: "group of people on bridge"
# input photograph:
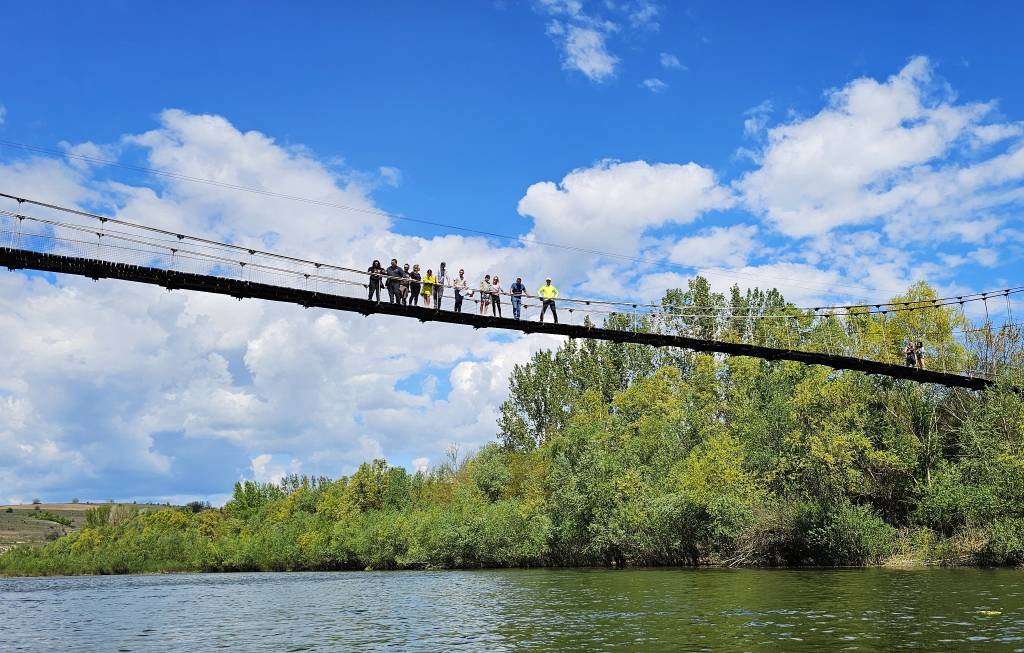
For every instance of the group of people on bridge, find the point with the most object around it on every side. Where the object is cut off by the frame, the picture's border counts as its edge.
(408, 286)
(914, 354)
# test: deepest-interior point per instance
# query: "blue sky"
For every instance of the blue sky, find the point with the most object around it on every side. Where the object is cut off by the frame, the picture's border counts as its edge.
(839, 151)
(468, 99)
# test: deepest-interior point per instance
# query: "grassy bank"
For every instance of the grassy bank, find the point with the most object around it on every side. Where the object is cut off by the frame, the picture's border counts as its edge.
(384, 518)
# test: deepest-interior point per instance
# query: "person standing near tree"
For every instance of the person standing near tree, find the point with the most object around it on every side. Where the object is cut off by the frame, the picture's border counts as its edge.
(461, 288)
(548, 295)
(518, 290)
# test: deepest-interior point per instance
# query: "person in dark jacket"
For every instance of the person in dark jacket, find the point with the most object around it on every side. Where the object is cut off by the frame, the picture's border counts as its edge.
(414, 285)
(394, 282)
(376, 272)
(406, 280)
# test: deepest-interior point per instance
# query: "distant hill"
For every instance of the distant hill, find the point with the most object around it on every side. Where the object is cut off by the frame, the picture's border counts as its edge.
(27, 523)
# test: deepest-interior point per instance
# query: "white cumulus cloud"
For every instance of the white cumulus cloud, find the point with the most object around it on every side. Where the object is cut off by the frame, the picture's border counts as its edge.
(116, 385)
(654, 85)
(718, 246)
(882, 150)
(611, 204)
(587, 52)
(669, 60)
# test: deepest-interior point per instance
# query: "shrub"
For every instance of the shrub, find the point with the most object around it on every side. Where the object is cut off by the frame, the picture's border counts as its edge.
(807, 533)
(1006, 544)
(852, 535)
(97, 517)
(46, 515)
(490, 471)
(950, 502)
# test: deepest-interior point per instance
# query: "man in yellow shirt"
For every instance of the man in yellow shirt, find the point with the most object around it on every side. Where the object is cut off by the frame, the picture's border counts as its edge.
(548, 295)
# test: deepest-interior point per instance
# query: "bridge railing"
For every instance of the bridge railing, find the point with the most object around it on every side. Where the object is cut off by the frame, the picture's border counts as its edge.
(953, 342)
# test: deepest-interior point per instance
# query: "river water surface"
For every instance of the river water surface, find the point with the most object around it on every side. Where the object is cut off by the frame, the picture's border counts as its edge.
(641, 610)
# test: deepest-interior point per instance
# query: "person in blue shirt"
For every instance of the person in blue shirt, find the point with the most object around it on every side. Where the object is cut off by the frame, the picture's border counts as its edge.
(518, 290)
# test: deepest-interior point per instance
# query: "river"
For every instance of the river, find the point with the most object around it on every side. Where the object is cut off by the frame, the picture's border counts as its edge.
(514, 610)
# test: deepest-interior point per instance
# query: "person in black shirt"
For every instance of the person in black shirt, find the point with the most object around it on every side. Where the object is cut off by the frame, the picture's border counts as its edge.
(394, 282)
(376, 271)
(406, 276)
(414, 285)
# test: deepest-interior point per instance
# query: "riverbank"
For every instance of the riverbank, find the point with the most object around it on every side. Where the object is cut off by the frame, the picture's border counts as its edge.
(472, 533)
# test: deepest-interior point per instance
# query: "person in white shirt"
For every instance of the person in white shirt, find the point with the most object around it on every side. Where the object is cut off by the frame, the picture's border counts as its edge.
(485, 294)
(439, 284)
(461, 287)
(496, 296)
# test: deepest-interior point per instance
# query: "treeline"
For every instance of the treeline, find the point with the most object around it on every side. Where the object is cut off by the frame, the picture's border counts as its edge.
(613, 454)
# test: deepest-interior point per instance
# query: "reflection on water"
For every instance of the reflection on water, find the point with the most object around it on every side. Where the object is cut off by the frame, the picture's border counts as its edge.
(671, 610)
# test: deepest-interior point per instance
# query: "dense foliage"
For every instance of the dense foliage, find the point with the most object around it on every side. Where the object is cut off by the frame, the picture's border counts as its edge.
(612, 454)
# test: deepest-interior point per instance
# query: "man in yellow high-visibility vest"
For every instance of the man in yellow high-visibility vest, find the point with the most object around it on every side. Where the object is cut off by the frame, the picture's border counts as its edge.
(548, 295)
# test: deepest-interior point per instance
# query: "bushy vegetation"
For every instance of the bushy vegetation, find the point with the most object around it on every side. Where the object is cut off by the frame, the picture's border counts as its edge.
(46, 515)
(612, 454)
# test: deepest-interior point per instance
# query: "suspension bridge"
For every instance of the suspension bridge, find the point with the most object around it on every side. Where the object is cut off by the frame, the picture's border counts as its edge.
(63, 240)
